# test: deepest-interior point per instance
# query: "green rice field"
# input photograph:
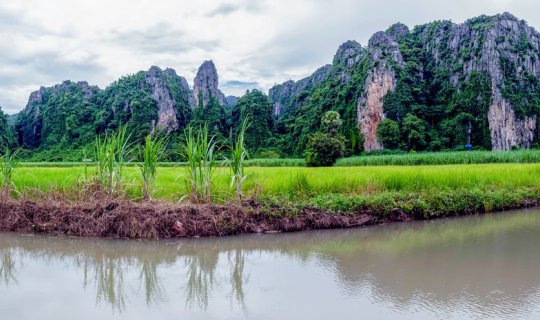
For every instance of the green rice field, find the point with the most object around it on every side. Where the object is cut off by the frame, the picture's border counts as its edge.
(308, 182)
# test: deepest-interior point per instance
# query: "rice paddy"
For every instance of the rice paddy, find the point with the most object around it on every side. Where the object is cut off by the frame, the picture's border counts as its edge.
(298, 182)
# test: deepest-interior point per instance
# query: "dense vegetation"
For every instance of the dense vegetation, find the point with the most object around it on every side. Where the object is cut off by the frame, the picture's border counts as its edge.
(7, 139)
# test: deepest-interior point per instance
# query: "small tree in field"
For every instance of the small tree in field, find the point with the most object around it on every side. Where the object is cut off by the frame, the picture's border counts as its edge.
(324, 148)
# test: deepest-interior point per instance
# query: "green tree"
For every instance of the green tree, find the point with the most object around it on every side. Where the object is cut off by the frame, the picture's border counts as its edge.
(324, 148)
(414, 132)
(389, 134)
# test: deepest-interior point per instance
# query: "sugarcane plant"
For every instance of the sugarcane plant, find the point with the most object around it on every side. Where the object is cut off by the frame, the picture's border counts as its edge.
(199, 150)
(151, 153)
(112, 153)
(8, 164)
(237, 156)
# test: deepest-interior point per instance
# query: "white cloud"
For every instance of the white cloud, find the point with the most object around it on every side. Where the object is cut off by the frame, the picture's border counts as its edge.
(253, 43)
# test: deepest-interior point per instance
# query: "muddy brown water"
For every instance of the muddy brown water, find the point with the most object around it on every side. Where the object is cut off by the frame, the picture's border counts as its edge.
(484, 267)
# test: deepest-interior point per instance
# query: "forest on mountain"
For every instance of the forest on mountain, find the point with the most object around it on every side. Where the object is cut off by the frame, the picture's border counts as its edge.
(439, 86)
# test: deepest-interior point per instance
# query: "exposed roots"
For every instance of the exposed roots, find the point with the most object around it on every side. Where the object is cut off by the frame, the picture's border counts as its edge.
(101, 216)
(126, 219)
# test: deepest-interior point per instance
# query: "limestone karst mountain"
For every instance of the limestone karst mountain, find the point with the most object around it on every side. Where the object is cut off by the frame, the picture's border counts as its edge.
(443, 84)
(425, 73)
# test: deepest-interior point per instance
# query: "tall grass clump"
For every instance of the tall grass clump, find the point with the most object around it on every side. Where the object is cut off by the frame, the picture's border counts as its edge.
(443, 158)
(199, 150)
(8, 164)
(151, 153)
(112, 153)
(238, 156)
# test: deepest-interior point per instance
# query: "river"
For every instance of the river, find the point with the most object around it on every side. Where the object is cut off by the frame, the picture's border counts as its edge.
(482, 267)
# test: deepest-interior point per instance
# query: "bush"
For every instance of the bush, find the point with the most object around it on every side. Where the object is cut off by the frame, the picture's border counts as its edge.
(324, 150)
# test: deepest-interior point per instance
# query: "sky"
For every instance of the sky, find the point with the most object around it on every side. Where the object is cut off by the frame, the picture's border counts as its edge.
(254, 44)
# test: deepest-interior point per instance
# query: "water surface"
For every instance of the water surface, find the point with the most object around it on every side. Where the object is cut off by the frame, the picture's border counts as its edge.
(469, 268)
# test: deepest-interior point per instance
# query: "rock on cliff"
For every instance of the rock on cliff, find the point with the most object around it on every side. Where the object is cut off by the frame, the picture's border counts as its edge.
(205, 85)
(162, 93)
(381, 79)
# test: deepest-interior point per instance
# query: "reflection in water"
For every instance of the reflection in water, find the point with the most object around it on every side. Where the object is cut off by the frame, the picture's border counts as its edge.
(7, 266)
(476, 267)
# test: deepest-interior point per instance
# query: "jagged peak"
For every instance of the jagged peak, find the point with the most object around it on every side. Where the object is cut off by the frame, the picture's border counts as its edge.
(347, 53)
(206, 82)
(207, 65)
(507, 16)
(398, 30)
(379, 39)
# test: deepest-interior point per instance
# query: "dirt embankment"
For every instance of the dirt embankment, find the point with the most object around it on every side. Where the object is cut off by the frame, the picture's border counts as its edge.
(157, 219)
(126, 219)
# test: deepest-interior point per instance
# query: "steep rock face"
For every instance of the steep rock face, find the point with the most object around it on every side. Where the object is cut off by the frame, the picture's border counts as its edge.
(348, 54)
(205, 85)
(290, 94)
(280, 95)
(162, 95)
(508, 131)
(505, 48)
(380, 80)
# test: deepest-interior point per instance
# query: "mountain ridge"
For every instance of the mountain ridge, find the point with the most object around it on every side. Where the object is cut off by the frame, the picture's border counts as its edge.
(440, 85)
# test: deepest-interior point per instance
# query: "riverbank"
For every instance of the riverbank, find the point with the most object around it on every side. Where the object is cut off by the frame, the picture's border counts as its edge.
(68, 201)
(123, 218)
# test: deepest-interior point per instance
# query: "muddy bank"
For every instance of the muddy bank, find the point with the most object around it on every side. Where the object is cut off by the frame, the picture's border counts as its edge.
(127, 219)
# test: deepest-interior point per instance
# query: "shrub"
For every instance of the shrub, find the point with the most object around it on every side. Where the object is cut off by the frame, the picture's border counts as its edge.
(324, 150)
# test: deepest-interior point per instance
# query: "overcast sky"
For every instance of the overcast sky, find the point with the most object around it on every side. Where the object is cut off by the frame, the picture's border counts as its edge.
(254, 44)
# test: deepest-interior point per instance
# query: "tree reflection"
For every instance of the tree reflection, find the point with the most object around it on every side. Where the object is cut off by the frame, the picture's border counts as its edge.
(7, 266)
(237, 277)
(201, 278)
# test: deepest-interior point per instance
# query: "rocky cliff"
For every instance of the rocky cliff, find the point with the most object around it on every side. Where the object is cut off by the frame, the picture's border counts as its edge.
(506, 49)
(381, 79)
(165, 87)
(72, 113)
(432, 73)
(205, 85)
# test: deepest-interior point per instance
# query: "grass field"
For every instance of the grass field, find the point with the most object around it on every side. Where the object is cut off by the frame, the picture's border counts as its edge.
(296, 182)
